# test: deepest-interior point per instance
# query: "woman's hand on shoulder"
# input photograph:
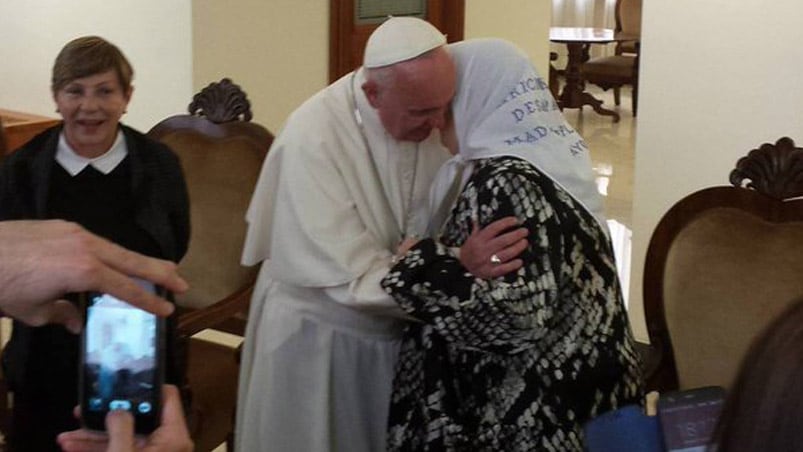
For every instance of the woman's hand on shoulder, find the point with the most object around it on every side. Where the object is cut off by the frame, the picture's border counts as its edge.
(493, 251)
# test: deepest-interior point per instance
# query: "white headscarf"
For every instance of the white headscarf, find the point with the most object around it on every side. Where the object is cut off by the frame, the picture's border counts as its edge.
(503, 107)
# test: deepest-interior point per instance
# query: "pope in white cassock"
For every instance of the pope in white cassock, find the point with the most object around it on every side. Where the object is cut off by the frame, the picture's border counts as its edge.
(336, 195)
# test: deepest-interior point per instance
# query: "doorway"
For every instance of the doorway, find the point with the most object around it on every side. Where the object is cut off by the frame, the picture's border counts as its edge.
(352, 21)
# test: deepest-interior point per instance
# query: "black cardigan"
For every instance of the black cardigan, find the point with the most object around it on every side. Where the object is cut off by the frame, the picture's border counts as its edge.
(157, 182)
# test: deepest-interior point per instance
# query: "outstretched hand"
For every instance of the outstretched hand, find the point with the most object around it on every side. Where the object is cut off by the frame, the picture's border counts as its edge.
(491, 252)
(41, 261)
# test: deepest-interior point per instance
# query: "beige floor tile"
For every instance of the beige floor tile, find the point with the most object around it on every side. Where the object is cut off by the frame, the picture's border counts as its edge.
(612, 151)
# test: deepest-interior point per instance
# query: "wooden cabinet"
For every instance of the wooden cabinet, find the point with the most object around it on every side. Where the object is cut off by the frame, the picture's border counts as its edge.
(19, 127)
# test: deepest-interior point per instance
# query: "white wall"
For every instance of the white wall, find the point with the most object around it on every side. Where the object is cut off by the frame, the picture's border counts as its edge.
(718, 78)
(277, 51)
(525, 22)
(153, 34)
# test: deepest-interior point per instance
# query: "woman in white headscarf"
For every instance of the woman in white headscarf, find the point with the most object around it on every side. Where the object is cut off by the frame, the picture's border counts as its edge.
(520, 362)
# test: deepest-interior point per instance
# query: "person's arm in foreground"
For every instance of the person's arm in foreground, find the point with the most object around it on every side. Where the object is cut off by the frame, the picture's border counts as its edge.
(171, 436)
(40, 261)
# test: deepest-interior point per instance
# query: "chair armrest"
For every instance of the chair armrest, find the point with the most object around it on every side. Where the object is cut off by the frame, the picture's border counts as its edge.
(196, 320)
(650, 362)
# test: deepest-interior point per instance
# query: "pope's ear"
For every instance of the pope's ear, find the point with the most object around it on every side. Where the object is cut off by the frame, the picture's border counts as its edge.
(371, 90)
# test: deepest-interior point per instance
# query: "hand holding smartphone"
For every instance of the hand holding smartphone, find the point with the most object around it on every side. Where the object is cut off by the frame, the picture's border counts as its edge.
(172, 435)
(122, 361)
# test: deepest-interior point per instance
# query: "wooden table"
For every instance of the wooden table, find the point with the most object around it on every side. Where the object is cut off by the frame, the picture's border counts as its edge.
(578, 41)
(19, 127)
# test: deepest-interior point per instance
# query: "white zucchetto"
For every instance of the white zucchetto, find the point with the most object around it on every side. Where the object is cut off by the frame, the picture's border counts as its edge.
(400, 39)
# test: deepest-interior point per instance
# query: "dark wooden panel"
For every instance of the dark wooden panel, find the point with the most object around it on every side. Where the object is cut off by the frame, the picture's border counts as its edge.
(347, 38)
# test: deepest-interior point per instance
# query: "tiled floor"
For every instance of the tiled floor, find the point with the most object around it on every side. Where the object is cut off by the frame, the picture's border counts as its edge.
(612, 148)
(612, 151)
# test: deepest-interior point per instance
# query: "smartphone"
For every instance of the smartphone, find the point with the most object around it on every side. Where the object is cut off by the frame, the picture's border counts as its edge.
(122, 361)
(688, 418)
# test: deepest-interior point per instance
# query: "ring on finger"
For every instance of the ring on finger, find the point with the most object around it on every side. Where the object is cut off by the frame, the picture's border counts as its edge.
(495, 259)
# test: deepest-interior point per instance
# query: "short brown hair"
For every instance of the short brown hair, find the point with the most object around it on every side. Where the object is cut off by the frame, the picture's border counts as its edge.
(89, 55)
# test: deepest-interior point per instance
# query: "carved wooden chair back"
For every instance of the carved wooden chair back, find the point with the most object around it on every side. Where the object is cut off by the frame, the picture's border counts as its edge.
(721, 263)
(221, 152)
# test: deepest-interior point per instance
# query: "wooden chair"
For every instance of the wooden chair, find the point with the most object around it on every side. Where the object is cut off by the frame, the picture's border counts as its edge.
(622, 68)
(5, 409)
(3, 145)
(627, 15)
(722, 263)
(221, 153)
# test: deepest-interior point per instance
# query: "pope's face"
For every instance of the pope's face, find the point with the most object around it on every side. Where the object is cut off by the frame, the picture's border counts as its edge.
(91, 108)
(417, 99)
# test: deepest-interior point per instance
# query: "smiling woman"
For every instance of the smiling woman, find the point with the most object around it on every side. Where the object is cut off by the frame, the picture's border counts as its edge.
(91, 108)
(92, 87)
(116, 183)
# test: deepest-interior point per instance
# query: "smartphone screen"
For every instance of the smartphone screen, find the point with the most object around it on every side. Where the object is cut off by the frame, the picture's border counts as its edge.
(122, 362)
(688, 418)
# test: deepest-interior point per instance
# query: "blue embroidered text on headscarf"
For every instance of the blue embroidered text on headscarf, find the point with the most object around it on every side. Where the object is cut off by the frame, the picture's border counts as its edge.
(524, 106)
(503, 107)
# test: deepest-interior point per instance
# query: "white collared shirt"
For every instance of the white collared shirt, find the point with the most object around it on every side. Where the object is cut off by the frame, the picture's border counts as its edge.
(105, 163)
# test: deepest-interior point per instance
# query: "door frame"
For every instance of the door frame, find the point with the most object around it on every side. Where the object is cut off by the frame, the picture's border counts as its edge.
(347, 40)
